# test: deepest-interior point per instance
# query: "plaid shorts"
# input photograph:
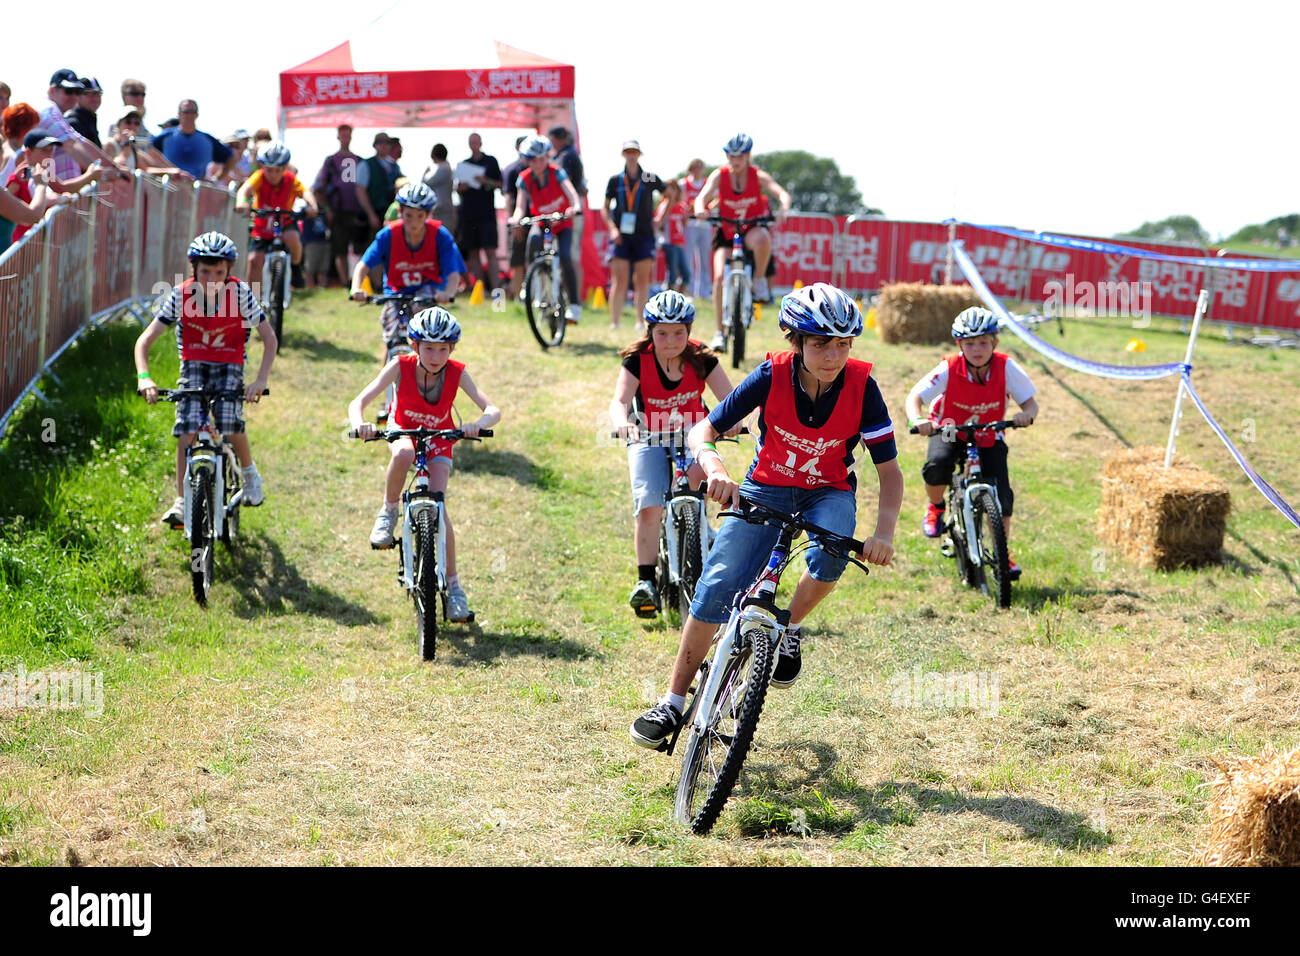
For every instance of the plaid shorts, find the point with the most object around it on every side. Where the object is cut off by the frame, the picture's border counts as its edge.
(216, 376)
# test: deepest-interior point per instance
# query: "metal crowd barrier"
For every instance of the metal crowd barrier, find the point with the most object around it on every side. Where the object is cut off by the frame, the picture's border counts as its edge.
(110, 252)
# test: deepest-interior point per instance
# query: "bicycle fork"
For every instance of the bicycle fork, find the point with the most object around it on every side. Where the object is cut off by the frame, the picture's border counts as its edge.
(413, 508)
(204, 460)
(676, 507)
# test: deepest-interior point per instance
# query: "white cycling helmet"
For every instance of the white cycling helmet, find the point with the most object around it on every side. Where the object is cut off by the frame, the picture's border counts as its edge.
(418, 196)
(821, 309)
(213, 245)
(974, 322)
(274, 154)
(534, 146)
(669, 306)
(433, 325)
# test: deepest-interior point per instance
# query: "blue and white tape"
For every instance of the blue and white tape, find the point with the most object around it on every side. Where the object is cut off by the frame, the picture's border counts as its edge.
(1115, 248)
(1264, 487)
(1065, 358)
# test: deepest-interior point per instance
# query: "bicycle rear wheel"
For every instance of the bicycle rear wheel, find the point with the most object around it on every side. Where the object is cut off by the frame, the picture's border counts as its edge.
(275, 304)
(426, 583)
(995, 572)
(201, 543)
(690, 547)
(736, 316)
(544, 304)
(712, 761)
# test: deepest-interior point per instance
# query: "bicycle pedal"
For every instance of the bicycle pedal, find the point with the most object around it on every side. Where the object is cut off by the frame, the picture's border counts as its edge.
(647, 611)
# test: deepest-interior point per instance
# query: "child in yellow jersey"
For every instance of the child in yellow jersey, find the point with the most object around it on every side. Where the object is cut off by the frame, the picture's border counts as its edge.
(272, 186)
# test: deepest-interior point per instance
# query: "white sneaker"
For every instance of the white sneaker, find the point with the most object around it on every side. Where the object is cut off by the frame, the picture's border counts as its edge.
(572, 314)
(381, 536)
(761, 292)
(719, 343)
(252, 488)
(458, 605)
(174, 517)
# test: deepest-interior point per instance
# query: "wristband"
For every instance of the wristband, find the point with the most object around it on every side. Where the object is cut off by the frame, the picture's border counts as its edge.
(913, 422)
(139, 375)
(710, 446)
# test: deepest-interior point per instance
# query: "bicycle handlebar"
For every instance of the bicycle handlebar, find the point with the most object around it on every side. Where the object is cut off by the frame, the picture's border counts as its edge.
(972, 429)
(265, 212)
(670, 438)
(549, 217)
(442, 434)
(764, 220)
(837, 544)
(176, 394)
(405, 297)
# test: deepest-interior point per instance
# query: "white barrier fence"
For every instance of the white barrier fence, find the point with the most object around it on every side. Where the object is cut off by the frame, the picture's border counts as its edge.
(93, 259)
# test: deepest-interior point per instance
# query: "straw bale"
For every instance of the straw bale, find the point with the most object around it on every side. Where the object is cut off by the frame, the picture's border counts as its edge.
(1255, 812)
(1161, 517)
(920, 313)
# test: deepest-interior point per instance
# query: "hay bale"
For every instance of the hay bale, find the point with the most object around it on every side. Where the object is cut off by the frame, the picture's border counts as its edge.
(1161, 517)
(919, 313)
(1255, 812)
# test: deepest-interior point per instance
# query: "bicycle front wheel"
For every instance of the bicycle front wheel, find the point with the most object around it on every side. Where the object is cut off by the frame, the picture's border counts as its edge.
(994, 572)
(230, 526)
(201, 543)
(712, 761)
(690, 548)
(426, 583)
(275, 305)
(736, 315)
(544, 304)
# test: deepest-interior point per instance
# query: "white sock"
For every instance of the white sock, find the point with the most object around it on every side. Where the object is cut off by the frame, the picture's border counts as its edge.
(392, 505)
(677, 700)
(251, 469)
(453, 581)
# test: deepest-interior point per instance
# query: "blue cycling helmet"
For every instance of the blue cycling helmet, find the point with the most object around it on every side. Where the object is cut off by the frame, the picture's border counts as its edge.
(740, 143)
(669, 306)
(213, 245)
(433, 325)
(418, 196)
(821, 309)
(274, 154)
(974, 322)
(534, 146)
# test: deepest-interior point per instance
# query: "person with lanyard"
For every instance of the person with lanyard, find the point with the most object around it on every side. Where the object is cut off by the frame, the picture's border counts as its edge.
(739, 187)
(543, 189)
(629, 214)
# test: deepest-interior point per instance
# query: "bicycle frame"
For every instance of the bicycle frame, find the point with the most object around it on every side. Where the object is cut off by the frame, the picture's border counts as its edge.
(682, 498)
(739, 280)
(416, 499)
(967, 484)
(209, 452)
(277, 253)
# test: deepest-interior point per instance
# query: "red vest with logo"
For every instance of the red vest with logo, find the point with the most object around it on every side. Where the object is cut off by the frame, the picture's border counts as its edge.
(690, 189)
(410, 409)
(745, 204)
(409, 267)
(544, 200)
(216, 337)
(669, 409)
(798, 455)
(676, 219)
(274, 197)
(966, 403)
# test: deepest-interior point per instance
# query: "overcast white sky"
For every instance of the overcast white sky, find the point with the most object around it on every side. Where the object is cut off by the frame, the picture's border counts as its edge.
(1074, 117)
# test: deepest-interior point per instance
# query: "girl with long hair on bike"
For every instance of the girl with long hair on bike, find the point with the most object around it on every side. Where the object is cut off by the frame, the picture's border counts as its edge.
(968, 388)
(427, 384)
(663, 377)
(213, 312)
(816, 404)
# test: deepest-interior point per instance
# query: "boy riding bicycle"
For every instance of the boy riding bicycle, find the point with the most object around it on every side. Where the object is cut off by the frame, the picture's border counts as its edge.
(663, 375)
(213, 313)
(272, 186)
(816, 404)
(427, 384)
(965, 389)
(544, 188)
(416, 254)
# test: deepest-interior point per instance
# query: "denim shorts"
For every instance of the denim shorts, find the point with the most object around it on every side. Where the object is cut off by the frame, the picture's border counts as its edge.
(651, 471)
(741, 550)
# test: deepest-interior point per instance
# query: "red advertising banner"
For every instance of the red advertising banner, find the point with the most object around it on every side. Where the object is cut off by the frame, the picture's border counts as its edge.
(389, 86)
(19, 307)
(804, 247)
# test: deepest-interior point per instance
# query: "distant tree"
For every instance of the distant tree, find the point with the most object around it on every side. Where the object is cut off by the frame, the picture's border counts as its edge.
(1173, 229)
(1273, 231)
(815, 183)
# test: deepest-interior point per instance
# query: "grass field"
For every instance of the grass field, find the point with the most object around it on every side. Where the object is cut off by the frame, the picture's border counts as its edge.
(292, 721)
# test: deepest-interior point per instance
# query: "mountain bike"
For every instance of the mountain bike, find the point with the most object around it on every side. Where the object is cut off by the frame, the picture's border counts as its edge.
(731, 685)
(395, 344)
(974, 534)
(738, 285)
(277, 290)
(545, 300)
(213, 488)
(685, 534)
(422, 545)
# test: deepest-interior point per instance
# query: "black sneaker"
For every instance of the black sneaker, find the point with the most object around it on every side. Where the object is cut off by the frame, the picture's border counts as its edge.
(645, 599)
(295, 277)
(653, 728)
(789, 660)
